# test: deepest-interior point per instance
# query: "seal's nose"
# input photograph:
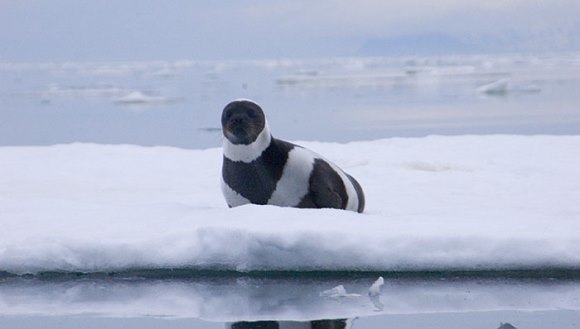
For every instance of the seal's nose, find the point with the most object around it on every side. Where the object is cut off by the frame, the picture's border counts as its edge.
(237, 120)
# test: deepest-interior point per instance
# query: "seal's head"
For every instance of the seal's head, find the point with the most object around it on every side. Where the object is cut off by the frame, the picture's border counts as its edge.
(242, 122)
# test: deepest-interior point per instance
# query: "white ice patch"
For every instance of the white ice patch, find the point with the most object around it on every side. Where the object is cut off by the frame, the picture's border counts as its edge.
(502, 87)
(337, 292)
(137, 97)
(375, 288)
(293, 185)
(248, 153)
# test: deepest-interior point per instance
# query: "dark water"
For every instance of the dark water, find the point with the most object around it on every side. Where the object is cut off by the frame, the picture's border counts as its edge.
(179, 103)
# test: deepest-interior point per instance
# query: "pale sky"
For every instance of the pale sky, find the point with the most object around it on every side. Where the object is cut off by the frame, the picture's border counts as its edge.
(60, 30)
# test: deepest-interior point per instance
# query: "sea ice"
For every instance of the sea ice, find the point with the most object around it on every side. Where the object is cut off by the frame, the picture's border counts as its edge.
(337, 292)
(503, 87)
(499, 87)
(501, 202)
(138, 97)
(375, 288)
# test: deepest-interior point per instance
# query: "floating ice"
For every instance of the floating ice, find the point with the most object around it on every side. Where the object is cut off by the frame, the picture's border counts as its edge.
(502, 87)
(375, 288)
(137, 97)
(499, 87)
(91, 91)
(337, 292)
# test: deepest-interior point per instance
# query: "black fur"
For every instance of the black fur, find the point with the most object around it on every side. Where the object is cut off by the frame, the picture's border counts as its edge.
(256, 181)
(326, 189)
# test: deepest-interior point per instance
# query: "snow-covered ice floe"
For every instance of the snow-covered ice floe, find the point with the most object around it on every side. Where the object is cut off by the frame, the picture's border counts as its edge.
(433, 203)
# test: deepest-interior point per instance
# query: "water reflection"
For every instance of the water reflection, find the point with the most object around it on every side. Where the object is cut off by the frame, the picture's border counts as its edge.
(233, 302)
(316, 324)
(241, 301)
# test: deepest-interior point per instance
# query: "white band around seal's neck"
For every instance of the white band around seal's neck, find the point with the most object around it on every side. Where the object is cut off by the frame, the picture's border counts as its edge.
(248, 153)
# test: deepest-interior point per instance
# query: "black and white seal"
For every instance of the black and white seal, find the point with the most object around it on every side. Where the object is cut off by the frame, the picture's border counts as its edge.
(260, 169)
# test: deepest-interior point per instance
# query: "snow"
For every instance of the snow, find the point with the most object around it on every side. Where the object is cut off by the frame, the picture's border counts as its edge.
(463, 202)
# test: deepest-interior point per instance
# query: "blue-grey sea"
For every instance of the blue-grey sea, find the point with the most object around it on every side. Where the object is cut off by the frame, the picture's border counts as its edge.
(179, 103)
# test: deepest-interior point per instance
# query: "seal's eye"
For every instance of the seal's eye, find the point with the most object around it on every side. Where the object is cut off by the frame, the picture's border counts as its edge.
(228, 115)
(252, 114)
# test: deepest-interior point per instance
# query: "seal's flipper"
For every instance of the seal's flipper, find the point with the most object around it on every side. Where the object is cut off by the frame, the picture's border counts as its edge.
(326, 187)
(327, 198)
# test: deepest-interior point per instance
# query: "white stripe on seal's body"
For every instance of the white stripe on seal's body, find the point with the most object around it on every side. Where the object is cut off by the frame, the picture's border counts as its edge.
(248, 153)
(293, 185)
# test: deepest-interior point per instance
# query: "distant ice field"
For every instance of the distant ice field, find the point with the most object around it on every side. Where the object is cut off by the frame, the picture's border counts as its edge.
(469, 203)
(178, 103)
